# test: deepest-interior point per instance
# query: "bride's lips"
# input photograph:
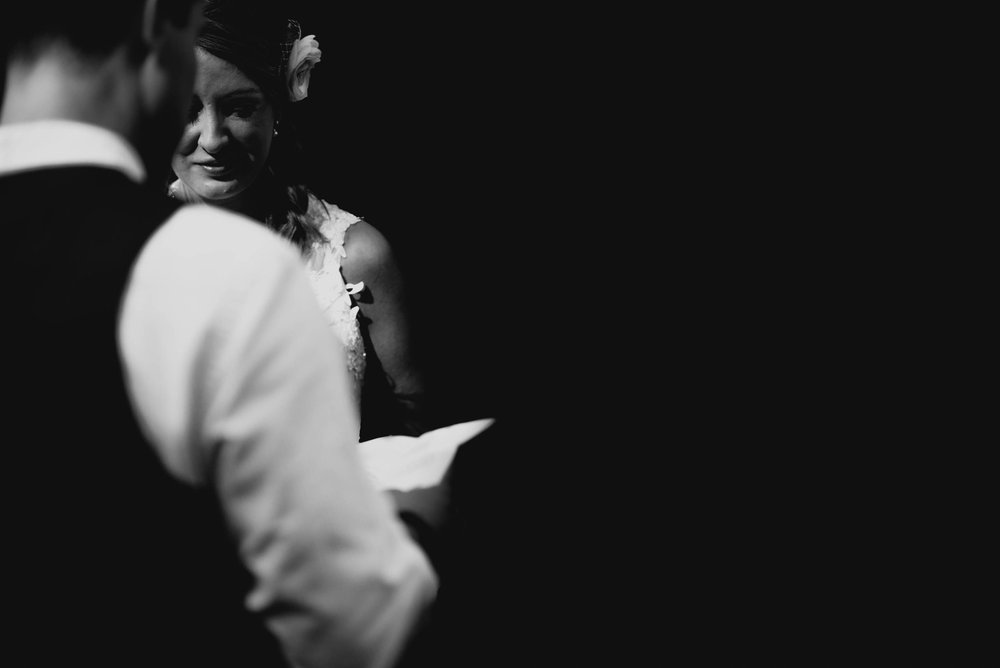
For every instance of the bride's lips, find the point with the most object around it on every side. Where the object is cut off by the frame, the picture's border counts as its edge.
(217, 169)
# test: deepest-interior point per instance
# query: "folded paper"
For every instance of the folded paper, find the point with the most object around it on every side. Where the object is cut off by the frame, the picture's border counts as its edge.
(405, 463)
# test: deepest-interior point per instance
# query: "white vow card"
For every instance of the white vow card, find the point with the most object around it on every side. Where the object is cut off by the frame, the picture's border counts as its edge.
(406, 463)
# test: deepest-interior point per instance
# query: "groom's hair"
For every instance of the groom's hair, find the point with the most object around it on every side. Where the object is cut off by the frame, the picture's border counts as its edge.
(89, 28)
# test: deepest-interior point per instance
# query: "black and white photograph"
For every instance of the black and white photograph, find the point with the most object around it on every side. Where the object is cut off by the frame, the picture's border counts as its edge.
(288, 367)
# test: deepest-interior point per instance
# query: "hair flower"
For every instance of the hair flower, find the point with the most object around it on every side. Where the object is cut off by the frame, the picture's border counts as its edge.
(303, 57)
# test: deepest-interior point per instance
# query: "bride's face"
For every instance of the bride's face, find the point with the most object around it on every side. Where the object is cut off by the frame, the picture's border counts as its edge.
(228, 137)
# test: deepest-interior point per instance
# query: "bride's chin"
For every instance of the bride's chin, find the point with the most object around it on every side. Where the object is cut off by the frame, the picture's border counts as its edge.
(219, 189)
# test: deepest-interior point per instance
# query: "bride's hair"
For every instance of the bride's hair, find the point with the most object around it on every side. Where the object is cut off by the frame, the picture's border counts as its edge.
(257, 40)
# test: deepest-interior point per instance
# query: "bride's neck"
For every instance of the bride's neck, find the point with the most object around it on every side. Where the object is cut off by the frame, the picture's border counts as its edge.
(249, 203)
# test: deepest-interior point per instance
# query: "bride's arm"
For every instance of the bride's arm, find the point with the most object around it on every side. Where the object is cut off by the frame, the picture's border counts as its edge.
(385, 312)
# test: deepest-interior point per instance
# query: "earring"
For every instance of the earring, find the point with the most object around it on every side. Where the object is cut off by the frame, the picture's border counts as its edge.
(275, 130)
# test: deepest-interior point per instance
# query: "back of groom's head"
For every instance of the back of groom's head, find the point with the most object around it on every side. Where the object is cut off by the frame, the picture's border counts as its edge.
(94, 29)
(125, 65)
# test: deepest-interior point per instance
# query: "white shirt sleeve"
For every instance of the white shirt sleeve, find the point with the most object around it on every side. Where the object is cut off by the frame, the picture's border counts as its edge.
(239, 381)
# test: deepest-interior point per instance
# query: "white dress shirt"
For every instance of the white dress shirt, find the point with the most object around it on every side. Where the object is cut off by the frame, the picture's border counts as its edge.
(236, 377)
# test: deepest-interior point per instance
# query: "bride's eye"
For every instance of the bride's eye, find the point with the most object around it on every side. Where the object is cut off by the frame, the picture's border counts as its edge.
(243, 109)
(193, 110)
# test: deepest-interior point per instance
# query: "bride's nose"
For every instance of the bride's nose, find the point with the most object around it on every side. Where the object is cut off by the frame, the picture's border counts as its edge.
(212, 134)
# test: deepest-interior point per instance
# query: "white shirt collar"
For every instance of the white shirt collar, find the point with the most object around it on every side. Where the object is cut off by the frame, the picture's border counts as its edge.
(60, 143)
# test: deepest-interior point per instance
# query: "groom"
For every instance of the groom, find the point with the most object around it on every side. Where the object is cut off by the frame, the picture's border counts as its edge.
(182, 485)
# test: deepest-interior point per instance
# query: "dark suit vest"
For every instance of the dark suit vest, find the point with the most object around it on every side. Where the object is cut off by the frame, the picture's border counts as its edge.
(109, 561)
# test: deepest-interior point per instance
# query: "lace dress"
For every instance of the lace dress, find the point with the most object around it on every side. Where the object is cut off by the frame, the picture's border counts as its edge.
(334, 294)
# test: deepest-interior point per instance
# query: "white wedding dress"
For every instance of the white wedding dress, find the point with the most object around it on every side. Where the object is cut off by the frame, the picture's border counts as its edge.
(334, 294)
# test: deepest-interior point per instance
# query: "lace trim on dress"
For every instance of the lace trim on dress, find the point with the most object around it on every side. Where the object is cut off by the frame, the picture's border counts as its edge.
(336, 296)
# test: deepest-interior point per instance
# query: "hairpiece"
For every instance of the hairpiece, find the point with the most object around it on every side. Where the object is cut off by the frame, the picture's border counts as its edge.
(300, 55)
